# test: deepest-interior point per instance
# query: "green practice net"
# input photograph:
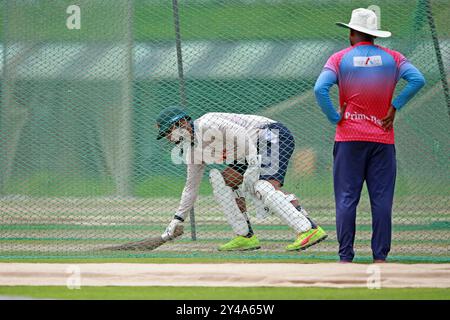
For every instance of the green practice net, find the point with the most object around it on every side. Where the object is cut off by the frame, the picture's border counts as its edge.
(83, 81)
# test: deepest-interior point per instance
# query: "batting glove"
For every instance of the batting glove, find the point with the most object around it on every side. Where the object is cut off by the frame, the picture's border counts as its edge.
(170, 230)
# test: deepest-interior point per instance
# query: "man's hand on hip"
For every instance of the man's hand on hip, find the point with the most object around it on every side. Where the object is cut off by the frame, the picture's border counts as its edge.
(388, 120)
(342, 111)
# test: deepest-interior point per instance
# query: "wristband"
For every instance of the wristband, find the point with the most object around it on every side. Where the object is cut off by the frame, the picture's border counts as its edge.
(178, 218)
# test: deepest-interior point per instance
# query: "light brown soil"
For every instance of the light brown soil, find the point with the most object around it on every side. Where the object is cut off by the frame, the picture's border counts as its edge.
(229, 274)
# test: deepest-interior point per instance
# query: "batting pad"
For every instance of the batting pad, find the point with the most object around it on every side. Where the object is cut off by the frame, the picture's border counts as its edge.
(280, 204)
(225, 196)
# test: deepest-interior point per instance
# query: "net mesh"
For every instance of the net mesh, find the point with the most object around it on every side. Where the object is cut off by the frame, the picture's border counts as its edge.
(82, 84)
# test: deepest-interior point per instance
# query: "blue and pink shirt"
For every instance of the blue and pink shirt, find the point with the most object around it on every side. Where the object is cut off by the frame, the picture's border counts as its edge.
(366, 75)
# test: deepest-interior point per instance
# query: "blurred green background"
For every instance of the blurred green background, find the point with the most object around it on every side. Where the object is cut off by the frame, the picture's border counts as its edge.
(78, 110)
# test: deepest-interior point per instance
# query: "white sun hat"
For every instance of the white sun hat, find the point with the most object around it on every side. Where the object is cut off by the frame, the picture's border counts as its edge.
(365, 21)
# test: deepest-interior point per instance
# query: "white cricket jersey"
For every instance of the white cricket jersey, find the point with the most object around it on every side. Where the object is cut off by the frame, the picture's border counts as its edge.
(245, 128)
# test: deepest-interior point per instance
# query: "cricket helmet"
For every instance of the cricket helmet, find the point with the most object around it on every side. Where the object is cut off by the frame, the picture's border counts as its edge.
(167, 118)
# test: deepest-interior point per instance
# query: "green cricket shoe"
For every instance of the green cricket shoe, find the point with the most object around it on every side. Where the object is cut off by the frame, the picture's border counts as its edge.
(241, 243)
(308, 239)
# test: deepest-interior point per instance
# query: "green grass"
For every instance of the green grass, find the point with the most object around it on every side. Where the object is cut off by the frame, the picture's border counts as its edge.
(162, 260)
(50, 184)
(47, 183)
(213, 20)
(167, 257)
(224, 293)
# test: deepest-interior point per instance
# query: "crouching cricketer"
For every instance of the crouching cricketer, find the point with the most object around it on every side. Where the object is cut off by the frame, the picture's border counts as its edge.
(257, 151)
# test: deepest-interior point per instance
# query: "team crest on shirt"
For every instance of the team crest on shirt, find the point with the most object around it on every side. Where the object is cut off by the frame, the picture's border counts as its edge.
(371, 61)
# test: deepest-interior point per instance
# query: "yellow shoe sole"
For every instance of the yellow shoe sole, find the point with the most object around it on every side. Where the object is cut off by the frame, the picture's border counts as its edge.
(240, 249)
(309, 244)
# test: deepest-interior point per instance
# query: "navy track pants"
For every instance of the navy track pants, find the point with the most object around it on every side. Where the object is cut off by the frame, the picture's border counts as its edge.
(354, 163)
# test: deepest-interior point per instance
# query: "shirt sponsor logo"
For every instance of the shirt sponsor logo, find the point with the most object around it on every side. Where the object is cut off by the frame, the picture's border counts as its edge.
(372, 61)
(361, 116)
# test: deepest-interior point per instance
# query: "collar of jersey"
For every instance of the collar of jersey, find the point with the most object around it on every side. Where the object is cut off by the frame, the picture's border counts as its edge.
(363, 43)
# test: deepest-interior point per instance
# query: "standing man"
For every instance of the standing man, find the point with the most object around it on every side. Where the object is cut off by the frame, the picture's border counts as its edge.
(364, 143)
